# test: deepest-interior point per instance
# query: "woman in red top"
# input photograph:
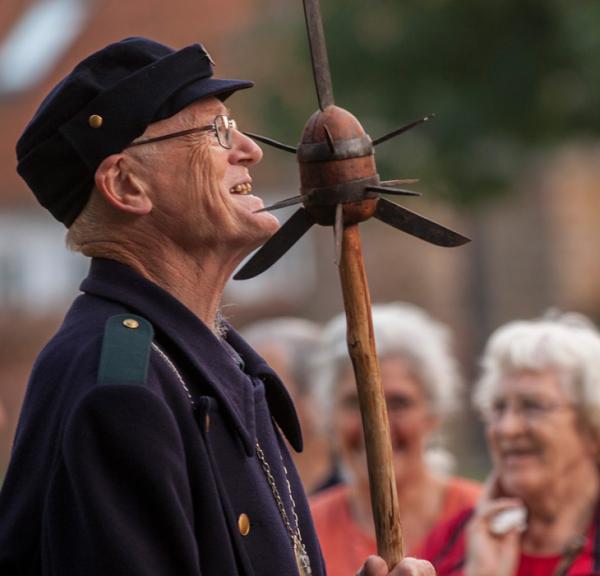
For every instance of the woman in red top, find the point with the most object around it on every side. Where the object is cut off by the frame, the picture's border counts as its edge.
(421, 384)
(540, 399)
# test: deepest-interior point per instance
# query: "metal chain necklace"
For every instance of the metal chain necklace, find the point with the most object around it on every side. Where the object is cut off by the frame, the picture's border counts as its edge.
(173, 368)
(569, 555)
(302, 557)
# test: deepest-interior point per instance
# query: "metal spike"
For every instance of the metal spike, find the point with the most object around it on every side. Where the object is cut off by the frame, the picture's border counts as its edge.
(399, 182)
(281, 204)
(401, 130)
(277, 245)
(395, 191)
(318, 53)
(271, 142)
(338, 232)
(417, 225)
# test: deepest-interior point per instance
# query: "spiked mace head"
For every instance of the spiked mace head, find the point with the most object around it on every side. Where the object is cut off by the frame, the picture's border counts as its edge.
(337, 165)
(340, 186)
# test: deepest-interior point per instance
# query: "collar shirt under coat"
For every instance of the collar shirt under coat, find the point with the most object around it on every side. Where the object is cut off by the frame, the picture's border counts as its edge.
(135, 479)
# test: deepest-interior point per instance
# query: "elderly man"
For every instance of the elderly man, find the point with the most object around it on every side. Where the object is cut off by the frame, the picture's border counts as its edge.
(149, 441)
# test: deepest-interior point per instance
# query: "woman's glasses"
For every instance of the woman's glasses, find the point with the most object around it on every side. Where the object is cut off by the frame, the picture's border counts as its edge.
(530, 408)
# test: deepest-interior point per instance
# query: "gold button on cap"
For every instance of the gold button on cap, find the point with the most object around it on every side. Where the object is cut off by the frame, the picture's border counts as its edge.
(244, 524)
(131, 323)
(95, 121)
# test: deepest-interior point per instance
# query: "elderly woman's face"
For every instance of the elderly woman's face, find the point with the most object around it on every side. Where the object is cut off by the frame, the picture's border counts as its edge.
(409, 416)
(534, 433)
(202, 191)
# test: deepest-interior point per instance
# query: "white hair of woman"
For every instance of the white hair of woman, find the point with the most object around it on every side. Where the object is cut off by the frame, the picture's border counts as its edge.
(568, 343)
(400, 330)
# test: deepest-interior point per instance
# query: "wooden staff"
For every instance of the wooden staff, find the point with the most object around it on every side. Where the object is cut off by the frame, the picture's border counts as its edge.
(340, 187)
(361, 346)
(357, 304)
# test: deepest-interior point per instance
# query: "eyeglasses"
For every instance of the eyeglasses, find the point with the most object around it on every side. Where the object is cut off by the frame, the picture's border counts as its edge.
(395, 403)
(531, 408)
(222, 126)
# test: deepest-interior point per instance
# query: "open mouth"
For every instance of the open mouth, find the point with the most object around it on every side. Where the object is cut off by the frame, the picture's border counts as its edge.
(518, 454)
(243, 189)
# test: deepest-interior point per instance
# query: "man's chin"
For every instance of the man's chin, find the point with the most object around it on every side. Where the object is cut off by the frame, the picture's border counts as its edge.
(260, 232)
(266, 225)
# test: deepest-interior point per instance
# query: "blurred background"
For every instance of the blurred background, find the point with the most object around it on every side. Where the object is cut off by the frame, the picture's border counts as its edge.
(512, 158)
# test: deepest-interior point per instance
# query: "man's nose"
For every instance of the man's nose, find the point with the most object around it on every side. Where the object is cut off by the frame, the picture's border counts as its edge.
(244, 150)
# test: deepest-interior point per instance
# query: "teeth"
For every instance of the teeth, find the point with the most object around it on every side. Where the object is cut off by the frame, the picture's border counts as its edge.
(244, 188)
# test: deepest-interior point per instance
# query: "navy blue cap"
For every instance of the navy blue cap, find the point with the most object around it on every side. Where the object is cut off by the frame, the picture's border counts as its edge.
(107, 101)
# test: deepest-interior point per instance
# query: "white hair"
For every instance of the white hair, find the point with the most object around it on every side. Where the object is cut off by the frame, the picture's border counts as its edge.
(567, 343)
(400, 330)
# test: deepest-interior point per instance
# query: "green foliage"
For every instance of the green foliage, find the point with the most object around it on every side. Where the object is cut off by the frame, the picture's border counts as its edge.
(504, 77)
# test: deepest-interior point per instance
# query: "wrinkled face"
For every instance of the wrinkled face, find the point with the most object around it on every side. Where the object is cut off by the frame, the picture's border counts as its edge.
(202, 192)
(408, 413)
(534, 433)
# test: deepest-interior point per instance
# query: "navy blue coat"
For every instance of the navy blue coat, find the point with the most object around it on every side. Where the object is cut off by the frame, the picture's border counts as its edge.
(135, 479)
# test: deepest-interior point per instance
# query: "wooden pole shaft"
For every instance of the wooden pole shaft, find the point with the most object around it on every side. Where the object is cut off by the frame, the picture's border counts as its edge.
(361, 346)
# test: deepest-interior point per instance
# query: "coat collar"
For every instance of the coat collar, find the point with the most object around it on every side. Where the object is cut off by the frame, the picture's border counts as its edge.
(175, 322)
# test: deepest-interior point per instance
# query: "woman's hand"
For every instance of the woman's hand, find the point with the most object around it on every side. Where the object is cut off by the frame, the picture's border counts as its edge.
(376, 566)
(493, 549)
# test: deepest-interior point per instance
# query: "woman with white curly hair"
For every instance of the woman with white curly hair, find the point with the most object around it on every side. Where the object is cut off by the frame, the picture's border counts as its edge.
(539, 395)
(422, 386)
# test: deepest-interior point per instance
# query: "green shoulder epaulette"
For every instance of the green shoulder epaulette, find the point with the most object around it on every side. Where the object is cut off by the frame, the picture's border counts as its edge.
(125, 350)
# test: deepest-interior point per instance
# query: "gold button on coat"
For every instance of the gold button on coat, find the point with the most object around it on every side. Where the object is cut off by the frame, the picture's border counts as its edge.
(131, 323)
(244, 524)
(95, 121)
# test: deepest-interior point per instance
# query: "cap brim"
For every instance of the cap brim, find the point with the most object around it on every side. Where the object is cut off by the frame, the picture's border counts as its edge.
(197, 90)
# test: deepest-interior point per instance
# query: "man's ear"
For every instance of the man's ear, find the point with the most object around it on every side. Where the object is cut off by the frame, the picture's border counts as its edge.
(121, 187)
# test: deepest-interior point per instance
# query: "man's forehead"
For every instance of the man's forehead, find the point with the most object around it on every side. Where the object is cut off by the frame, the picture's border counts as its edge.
(199, 112)
(206, 108)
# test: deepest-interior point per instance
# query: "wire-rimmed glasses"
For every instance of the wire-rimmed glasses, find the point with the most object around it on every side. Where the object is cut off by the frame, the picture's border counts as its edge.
(531, 408)
(223, 127)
